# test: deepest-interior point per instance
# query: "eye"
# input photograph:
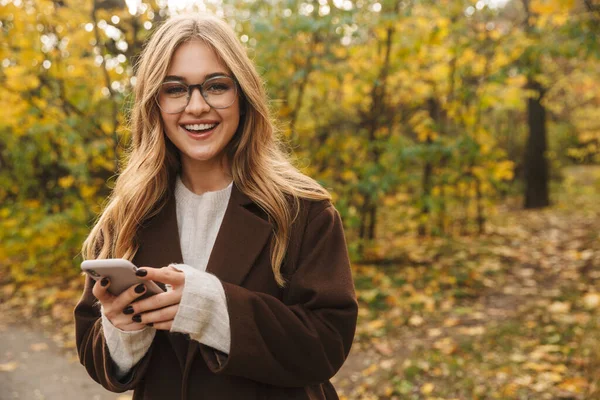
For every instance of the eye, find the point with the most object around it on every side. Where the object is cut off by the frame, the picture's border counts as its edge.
(219, 86)
(174, 89)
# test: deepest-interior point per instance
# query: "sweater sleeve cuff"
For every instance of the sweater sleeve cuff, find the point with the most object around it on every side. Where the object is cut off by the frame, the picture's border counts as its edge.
(126, 348)
(203, 310)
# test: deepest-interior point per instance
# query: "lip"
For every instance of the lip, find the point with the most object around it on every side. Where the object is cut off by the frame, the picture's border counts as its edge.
(201, 121)
(199, 136)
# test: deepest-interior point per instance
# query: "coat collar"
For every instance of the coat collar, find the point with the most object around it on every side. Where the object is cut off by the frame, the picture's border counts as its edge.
(243, 234)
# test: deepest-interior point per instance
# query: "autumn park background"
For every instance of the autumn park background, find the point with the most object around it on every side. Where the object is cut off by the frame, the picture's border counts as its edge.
(460, 140)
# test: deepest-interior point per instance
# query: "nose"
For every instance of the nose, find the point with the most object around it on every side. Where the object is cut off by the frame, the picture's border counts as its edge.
(197, 104)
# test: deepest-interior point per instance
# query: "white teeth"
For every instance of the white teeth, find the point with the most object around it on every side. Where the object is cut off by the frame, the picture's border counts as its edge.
(199, 127)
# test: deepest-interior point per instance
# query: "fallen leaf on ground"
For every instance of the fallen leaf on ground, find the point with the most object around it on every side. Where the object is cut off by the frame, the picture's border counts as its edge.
(383, 348)
(446, 345)
(591, 300)
(8, 367)
(376, 324)
(472, 330)
(370, 370)
(559, 307)
(39, 346)
(427, 388)
(574, 385)
(416, 320)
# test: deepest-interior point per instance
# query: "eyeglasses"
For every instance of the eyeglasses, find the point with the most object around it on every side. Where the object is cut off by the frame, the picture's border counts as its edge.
(218, 92)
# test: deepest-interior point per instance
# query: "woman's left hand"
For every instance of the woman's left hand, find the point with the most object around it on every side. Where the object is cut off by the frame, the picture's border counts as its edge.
(159, 310)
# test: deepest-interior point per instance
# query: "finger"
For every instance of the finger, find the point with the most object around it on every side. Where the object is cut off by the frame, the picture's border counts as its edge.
(129, 326)
(163, 326)
(165, 275)
(156, 302)
(123, 321)
(100, 290)
(128, 296)
(164, 314)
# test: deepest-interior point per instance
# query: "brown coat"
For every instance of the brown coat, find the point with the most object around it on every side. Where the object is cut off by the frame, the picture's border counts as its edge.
(285, 343)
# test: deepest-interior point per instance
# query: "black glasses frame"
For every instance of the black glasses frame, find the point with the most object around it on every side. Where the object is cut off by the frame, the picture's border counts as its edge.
(200, 87)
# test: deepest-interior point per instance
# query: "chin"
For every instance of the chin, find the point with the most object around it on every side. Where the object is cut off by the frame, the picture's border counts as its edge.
(202, 156)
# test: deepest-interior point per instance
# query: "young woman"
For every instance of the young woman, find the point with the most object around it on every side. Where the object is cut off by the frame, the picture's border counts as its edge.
(260, 301)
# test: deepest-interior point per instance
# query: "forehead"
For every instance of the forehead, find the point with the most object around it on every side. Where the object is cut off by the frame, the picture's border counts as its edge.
(193, 60)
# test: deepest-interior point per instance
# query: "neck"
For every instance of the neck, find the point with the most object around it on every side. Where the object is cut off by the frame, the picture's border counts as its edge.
(201, 176)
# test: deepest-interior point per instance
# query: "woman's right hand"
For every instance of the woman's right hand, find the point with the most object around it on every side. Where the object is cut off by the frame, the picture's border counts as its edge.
(117, 308)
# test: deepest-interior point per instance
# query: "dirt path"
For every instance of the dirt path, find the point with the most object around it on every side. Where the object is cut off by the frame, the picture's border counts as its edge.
(33, 367)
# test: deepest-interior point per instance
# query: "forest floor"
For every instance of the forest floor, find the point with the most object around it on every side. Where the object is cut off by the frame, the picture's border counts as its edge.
(510, 314)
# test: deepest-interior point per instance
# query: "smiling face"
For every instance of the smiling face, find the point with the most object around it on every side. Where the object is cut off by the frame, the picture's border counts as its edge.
(200, 132)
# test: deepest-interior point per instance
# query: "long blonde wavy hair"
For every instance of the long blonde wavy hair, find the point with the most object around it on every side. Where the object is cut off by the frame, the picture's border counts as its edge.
(260, 168)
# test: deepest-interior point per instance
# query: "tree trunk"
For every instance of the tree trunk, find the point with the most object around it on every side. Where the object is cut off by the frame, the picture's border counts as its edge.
(480, 214)
(372, 221)
(535, 163)
(433, 108)
(442, 213)
(426, 196)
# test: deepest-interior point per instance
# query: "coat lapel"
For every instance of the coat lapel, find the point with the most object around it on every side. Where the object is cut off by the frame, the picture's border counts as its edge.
(159, 239)
(241, 238)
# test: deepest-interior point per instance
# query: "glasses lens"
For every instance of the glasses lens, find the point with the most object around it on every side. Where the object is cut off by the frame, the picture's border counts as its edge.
(172, 97)
(219, 92)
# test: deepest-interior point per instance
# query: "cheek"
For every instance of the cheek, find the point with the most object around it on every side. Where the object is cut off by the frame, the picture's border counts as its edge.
(234, 115)
(168, 120)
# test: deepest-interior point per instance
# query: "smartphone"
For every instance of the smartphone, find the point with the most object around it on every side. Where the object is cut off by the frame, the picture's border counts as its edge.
(121, 273)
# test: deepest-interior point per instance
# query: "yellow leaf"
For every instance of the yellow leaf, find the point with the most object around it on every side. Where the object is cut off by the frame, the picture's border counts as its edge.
(376, 324)
(427, 388)
(451, 322)
(574, 385)
(66, 181)
(559, 307)
(446, 345)
(8, 367)
(87, 191)
(537, 366)
(370, 370)
(591, 300)
(473, 330)
(38, 346)
(416, 320)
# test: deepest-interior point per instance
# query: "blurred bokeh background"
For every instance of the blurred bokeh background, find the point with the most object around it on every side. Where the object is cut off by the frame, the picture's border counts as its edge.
(460, 140)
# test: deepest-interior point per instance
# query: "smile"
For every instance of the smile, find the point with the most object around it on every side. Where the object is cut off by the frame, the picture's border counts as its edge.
(199, 128)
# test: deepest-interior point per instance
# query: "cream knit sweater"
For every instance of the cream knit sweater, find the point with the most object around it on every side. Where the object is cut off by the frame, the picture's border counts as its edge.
(202, 311)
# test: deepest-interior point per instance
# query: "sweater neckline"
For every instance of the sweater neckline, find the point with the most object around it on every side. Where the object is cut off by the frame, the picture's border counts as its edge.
(181, 191)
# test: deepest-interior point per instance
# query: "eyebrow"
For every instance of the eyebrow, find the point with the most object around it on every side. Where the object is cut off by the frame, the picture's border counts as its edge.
(176, 78)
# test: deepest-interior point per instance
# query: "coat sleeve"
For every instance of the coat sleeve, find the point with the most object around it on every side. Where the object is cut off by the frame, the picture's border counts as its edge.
(93, 350)
(305, 338)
